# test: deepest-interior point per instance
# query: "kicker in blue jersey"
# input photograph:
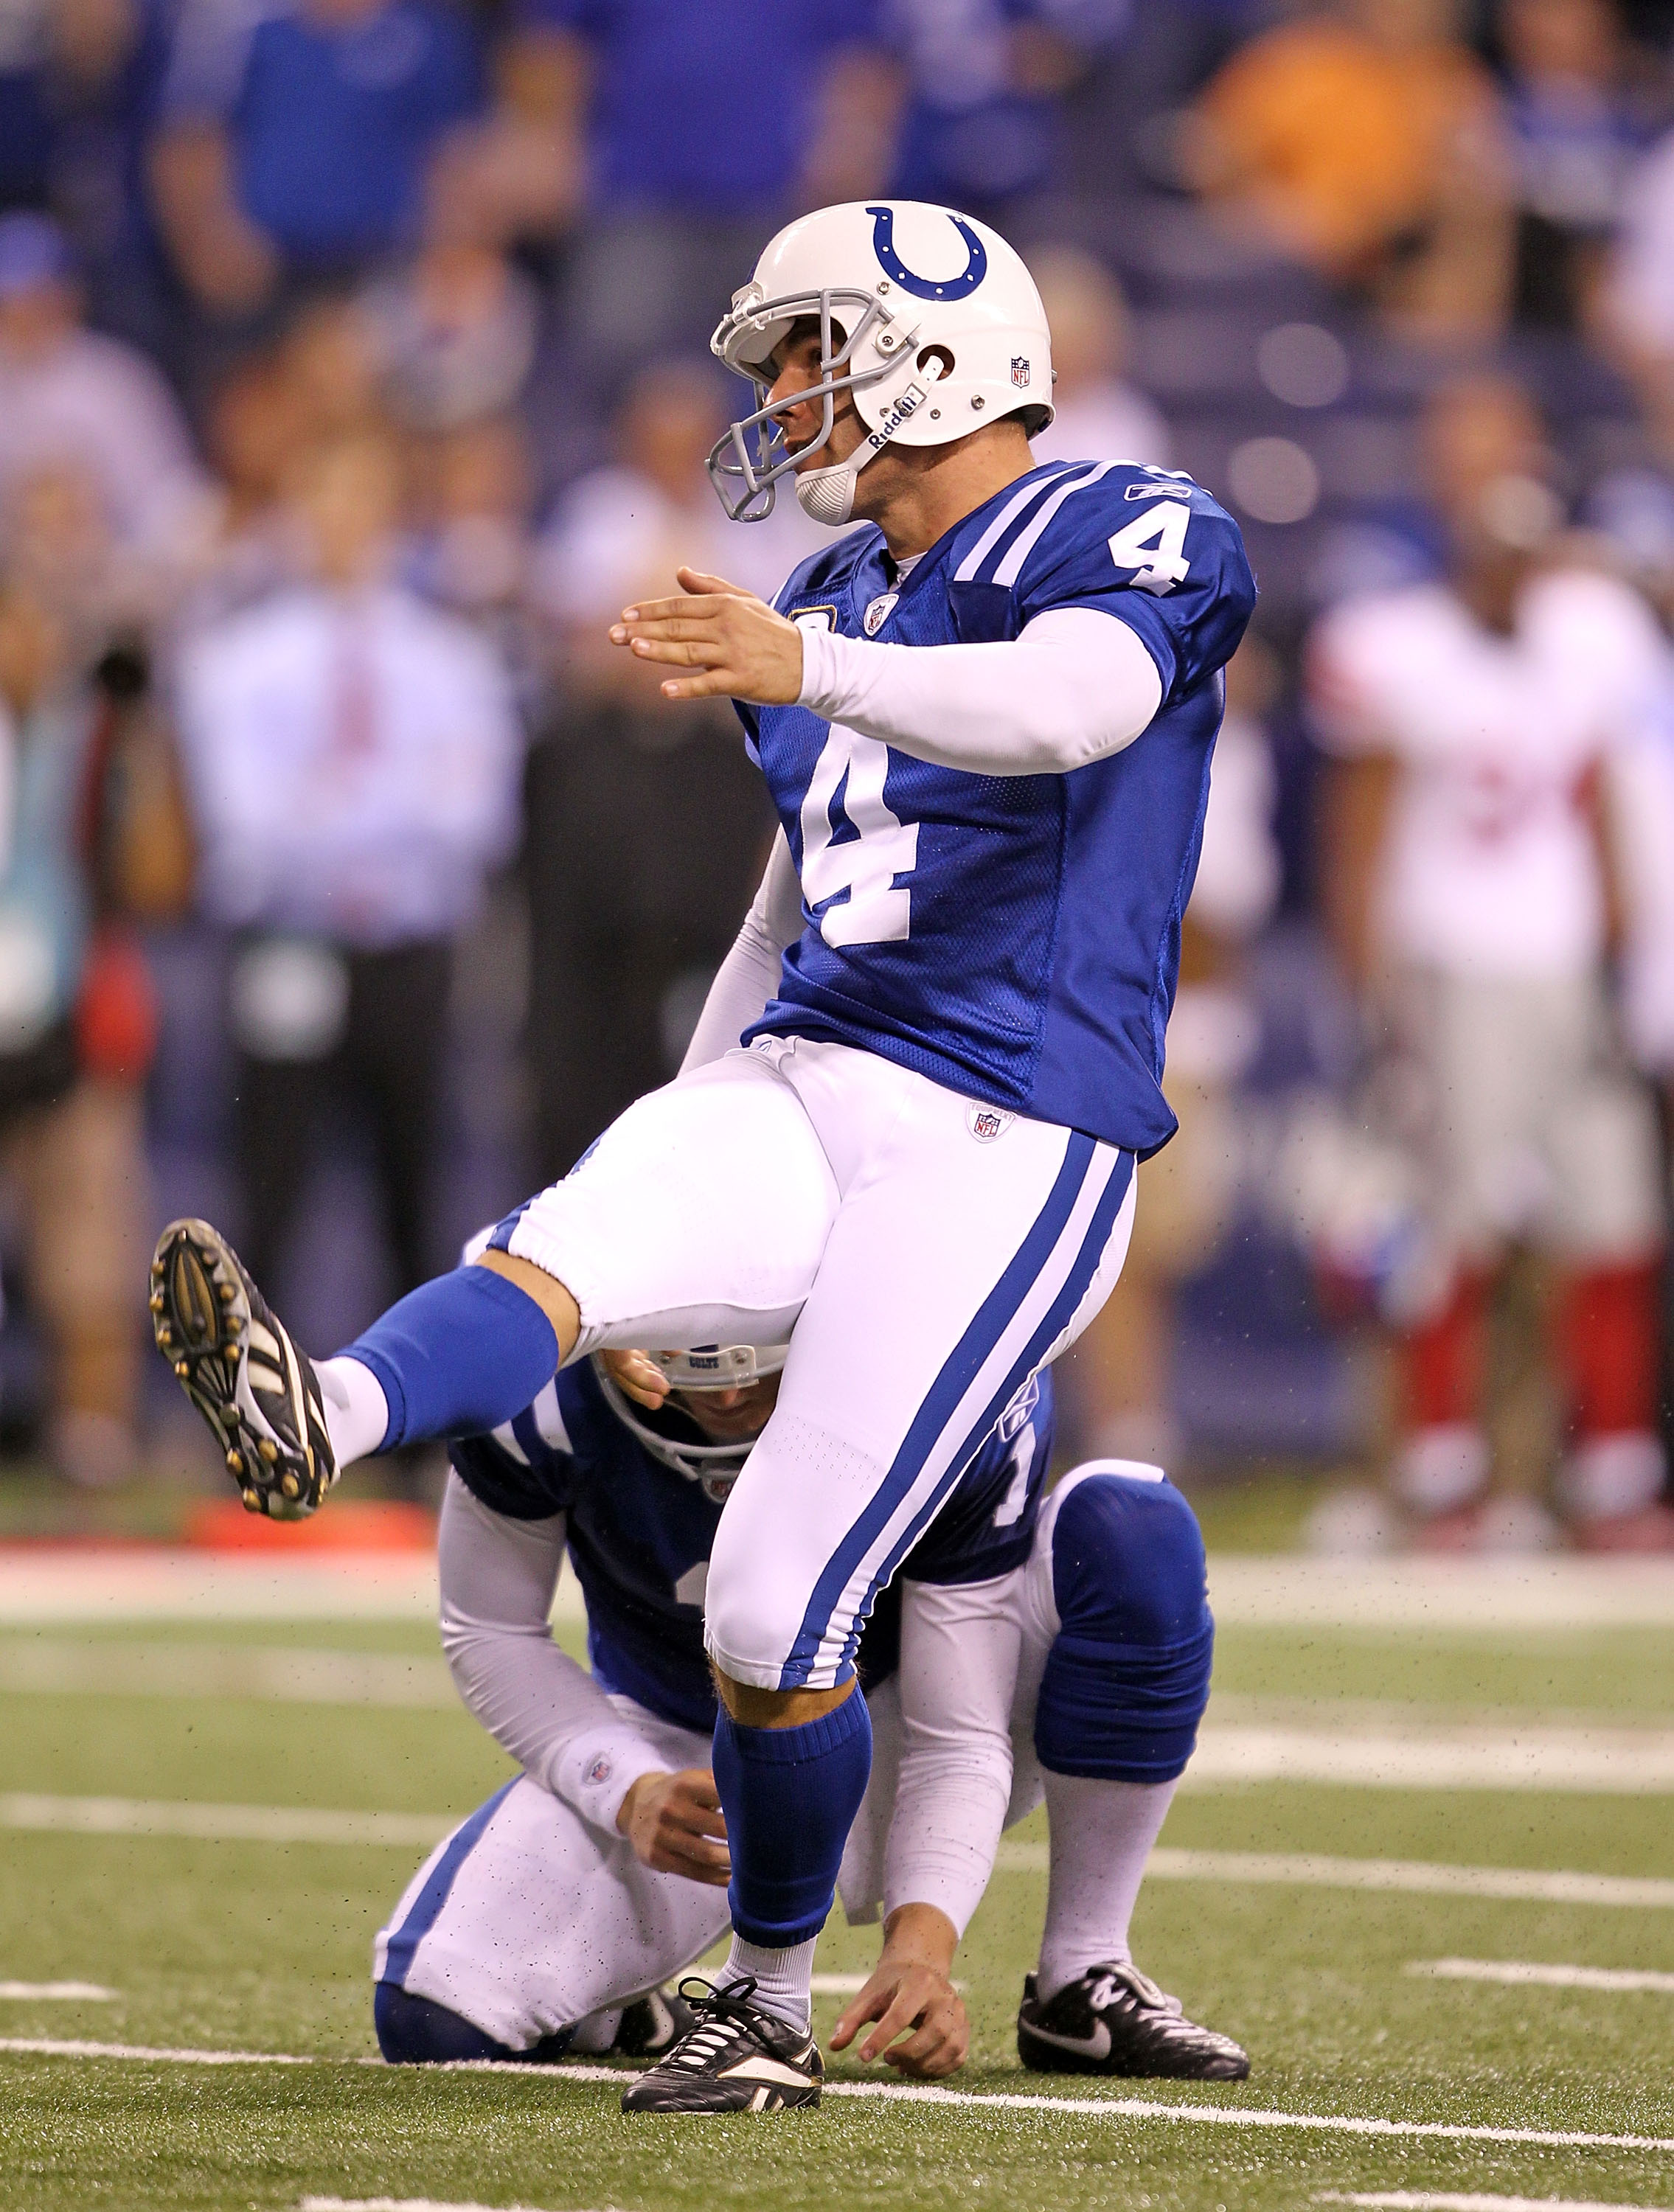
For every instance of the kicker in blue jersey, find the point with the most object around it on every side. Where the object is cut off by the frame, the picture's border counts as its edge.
(1015, 938)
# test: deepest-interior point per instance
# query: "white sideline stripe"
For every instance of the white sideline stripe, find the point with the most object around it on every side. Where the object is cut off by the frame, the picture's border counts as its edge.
(1478, 1597)
(272, 1673)
(1615, 1762)
(1475, 1596)
(83, 1992)
(1124, 2108)
(1429, 2200)
(221, 1824)
(182, 1585)
(1520, 1972)
(1309, 1870)
(400, 2204)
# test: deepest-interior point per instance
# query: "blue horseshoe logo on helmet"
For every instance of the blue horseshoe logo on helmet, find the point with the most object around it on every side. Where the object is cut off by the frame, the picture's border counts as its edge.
(923, 288)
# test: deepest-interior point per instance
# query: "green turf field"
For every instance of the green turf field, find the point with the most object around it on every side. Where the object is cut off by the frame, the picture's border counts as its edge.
(263, 1946)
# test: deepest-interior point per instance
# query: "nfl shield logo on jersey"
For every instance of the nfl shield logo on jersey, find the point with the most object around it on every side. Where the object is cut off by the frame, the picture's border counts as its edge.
(878, 612)
(1019, 372)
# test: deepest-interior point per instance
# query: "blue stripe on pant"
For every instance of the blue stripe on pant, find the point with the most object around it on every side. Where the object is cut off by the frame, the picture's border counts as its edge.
(404, 1943)
(960, 1369)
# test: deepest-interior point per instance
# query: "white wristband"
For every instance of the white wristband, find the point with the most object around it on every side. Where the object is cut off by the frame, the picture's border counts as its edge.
(595, 1771)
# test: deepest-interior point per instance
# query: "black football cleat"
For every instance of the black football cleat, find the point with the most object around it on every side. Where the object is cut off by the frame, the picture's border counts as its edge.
(736, 2059)
(651, 2025)
(1115, 2020)
(236, 1362)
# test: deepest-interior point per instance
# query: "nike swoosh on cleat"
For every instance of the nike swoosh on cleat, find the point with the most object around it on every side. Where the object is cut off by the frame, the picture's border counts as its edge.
(1096, 2045)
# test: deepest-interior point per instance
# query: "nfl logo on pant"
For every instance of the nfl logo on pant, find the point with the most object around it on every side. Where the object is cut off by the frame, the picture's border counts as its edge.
(985, 1123)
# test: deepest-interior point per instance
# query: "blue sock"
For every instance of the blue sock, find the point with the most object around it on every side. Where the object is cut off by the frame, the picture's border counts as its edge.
(790, 1797)
(458, 1356)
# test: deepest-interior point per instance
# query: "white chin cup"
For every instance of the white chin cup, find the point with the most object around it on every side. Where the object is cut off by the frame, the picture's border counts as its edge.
(827, 495)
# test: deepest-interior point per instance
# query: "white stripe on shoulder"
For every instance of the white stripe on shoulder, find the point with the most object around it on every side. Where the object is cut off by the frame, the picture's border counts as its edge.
(996, 529)
(509, 1444)
(1027, 540)
(549, 1419)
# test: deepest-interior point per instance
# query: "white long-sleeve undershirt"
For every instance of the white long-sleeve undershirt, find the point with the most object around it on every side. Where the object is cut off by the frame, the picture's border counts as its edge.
(1075, 685)
(498, 1576)
(748, 976)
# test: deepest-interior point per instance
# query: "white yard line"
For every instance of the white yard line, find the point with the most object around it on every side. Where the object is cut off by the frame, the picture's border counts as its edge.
(1429, 2200)
(1378, 1750)
(1519, 1973)
(1119, 2108)
(76, 1992)
(399, 2204)
(1310, 1870)
(305, 1824)
(253, 1824)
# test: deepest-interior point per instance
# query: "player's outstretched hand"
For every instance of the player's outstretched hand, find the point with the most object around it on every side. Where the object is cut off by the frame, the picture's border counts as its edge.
(909, 1994)
(676, 1825)
(740, 647)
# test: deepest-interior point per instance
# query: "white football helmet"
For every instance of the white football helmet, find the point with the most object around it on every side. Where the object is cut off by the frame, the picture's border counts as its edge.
(927, 318)
(705, 1367)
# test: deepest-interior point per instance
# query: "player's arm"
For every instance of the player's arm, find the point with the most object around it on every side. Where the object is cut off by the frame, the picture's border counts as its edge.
(748, 976)
(1075, 684)
(960, 1649)
(498, 1576)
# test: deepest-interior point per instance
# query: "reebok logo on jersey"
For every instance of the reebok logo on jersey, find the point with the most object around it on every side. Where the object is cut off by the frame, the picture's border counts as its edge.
(986, 1123)
(878, 612)
(908, 403)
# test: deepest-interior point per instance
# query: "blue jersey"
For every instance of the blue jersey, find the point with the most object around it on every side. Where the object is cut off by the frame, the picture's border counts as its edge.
(1014, 938)
(639, 1532)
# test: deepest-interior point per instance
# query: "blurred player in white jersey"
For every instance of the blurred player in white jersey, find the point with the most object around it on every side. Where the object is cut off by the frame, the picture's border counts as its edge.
(1469, 892)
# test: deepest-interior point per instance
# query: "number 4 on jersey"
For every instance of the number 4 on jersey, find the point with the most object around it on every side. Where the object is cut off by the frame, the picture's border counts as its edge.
(851, 773)
(1153, 543)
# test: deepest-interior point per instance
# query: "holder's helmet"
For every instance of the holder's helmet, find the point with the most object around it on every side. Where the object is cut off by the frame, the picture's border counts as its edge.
(706, 1367)
(927, 320)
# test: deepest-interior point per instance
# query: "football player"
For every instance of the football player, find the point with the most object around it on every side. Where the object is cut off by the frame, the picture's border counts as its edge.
(544, 1923)
(909, 1124)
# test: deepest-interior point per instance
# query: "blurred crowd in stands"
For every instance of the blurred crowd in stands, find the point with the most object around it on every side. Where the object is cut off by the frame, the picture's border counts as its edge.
(353, 374)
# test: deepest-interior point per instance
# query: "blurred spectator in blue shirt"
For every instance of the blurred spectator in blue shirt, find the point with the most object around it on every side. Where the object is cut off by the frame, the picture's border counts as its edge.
(678, 139)
(297, 136)
(988, 78)
(1579, 116)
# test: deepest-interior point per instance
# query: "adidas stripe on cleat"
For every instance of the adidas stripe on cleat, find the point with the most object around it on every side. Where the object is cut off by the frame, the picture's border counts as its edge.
(237, 1363)
(1115, 2020)
(735, 2058)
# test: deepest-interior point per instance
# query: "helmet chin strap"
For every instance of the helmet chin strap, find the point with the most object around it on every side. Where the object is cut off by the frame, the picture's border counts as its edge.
(827, 494)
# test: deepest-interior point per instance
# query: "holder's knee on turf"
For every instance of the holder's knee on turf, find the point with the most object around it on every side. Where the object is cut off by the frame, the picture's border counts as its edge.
(418, 2031)
(1127, 1675)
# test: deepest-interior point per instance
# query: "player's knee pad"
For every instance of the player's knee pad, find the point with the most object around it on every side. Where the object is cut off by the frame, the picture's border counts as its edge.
(418, 2031)
(1127, 1675)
